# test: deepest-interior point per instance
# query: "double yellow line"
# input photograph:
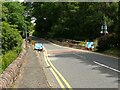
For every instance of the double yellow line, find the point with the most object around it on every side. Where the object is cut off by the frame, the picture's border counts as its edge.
(55, 72)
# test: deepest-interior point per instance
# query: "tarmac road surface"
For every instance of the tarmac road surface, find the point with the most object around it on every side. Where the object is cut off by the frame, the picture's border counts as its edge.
(83, 69)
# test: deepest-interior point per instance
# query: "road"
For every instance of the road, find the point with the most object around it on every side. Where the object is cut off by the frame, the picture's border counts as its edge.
(83, 69)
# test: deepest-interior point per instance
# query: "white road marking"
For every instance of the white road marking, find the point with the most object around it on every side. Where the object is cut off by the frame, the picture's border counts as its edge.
(79, 55)
(91, 52)
(106, 66)
(99, 63)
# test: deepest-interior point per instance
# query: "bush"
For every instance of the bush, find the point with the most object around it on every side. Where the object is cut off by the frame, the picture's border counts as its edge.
(18, 49)
(10, 38)
(11, 44)
(82, 43)
(8, 58)
(108, 41)
(1, 64)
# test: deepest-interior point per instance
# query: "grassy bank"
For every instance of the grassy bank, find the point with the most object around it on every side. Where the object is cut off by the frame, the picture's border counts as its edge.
(113, 52)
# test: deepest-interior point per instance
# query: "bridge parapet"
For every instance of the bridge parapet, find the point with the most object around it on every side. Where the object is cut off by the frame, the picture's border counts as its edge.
(12, 71)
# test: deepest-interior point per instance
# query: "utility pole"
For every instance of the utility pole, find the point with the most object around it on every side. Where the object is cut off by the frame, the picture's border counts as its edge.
(26, 35)
(25, 14)
(104, 25)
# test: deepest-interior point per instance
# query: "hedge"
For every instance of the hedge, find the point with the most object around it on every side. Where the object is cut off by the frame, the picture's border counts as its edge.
(108, 41)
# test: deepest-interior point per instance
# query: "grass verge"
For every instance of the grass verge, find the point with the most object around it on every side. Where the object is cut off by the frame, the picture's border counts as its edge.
(113, 52)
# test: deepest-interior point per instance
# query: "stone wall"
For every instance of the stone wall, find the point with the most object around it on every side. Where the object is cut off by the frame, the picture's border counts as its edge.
(12, 71)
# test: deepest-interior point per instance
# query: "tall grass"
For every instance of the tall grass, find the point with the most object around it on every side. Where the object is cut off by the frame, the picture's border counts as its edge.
(8, 58)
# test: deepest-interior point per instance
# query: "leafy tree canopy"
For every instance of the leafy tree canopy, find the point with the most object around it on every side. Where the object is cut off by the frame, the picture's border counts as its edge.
(74, 20)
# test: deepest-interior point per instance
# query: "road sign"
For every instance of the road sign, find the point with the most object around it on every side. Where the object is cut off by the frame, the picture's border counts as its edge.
(90, 45)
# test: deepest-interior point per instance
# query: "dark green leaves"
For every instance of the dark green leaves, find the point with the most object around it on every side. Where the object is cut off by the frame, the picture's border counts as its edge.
(10, 38)
(82, 20)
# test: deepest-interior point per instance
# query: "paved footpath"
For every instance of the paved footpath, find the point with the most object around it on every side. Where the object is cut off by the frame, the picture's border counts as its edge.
(32, 74)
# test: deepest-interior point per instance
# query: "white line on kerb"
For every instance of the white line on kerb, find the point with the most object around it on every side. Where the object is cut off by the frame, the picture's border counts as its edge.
(106, 66)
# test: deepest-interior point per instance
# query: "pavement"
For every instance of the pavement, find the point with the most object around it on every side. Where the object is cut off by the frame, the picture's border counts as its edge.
(32, 74)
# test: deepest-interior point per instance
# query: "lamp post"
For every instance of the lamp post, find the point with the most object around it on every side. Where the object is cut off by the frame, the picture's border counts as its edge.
(26, 36)
(104, 29)
(44, 18)
(104, 26)
(25, 14)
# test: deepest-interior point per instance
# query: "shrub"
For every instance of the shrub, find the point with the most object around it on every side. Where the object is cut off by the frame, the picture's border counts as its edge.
(108, 41)
(10, 38)
(8, 58)
(11, 44)
(0, 64)
(82, 43)
(17, 49)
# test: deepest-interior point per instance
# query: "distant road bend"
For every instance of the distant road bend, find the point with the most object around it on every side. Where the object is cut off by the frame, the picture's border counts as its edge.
(83, 69)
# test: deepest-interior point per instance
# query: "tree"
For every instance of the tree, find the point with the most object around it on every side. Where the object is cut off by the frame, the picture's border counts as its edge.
(13, 23)
(118, 31)
(76, 20)
(14, 14)
(10, 38)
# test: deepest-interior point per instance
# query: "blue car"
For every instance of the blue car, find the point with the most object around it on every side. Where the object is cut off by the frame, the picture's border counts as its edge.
(38, 46)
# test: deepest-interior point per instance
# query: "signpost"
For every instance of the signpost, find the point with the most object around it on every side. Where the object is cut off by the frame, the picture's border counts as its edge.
(104, 29)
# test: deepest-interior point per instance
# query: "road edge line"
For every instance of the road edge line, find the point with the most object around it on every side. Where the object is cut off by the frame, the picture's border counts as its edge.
(65, 81)
(55, 75)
